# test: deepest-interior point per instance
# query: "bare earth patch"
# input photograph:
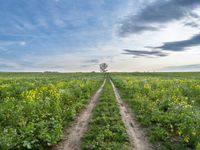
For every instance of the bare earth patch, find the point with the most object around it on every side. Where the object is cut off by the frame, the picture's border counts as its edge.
(137, 137)
(72, 135)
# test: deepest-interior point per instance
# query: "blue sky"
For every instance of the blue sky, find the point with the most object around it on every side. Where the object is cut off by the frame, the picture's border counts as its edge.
(77, 35)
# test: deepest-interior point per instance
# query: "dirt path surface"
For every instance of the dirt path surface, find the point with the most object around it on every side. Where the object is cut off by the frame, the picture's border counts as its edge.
(72, 136)
(137, 137)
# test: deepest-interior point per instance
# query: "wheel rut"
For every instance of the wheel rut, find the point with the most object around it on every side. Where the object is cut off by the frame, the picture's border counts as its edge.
(136, 134)
(73, 135)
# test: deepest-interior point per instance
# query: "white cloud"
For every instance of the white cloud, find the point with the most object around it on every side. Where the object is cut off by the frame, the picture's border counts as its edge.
(22, 43)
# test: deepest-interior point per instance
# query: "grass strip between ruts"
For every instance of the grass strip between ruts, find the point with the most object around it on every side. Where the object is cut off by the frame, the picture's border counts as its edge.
(106, 129)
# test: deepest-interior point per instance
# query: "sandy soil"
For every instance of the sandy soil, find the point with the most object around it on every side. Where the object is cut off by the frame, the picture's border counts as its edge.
(136, 134)
(73, 135)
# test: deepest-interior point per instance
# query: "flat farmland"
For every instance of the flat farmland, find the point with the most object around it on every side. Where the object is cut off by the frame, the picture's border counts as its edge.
(99, 111)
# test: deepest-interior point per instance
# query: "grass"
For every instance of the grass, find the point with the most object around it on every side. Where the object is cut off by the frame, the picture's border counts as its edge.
(33, 111)
(167, 107)
(106, 129)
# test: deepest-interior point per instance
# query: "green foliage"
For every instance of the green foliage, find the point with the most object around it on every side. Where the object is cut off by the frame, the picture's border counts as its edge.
(33, 111)
(106, 130)
(167, 106)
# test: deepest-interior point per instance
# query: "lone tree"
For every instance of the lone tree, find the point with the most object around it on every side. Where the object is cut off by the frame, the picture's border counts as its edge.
(103, 67)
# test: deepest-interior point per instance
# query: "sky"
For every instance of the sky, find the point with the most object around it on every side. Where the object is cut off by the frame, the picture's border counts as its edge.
(78, 35)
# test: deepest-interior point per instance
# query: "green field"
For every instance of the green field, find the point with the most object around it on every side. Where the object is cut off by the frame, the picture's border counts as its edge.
(167, 105)
(35, 108)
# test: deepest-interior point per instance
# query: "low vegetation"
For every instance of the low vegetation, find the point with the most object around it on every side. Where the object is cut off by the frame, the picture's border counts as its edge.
(168, 107)
(106, 129)
(34, 111)
(35, 107)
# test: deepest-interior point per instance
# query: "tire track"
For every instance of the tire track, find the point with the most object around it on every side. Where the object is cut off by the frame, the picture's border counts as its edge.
(137, 137)
(73, 135)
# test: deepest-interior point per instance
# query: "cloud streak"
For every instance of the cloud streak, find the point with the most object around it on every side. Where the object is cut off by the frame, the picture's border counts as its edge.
(192, 24)
(193, 67)
(143, 53)
(181, 45)
(92, 61)
(157, 14)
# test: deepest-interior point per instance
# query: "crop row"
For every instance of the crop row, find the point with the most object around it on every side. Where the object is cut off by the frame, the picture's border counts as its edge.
(168, 108)
(106, 129)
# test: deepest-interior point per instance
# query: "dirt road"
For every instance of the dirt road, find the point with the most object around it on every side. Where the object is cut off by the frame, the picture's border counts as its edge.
(72, 136)
(136, 135)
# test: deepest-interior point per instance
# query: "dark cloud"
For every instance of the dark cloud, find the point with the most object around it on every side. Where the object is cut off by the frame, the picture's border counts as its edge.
(92, 61)
(194, 15)
(158, 13)
(181, 45)
(128, 28)
(193, 67)
(143, 53)
(192, 24)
